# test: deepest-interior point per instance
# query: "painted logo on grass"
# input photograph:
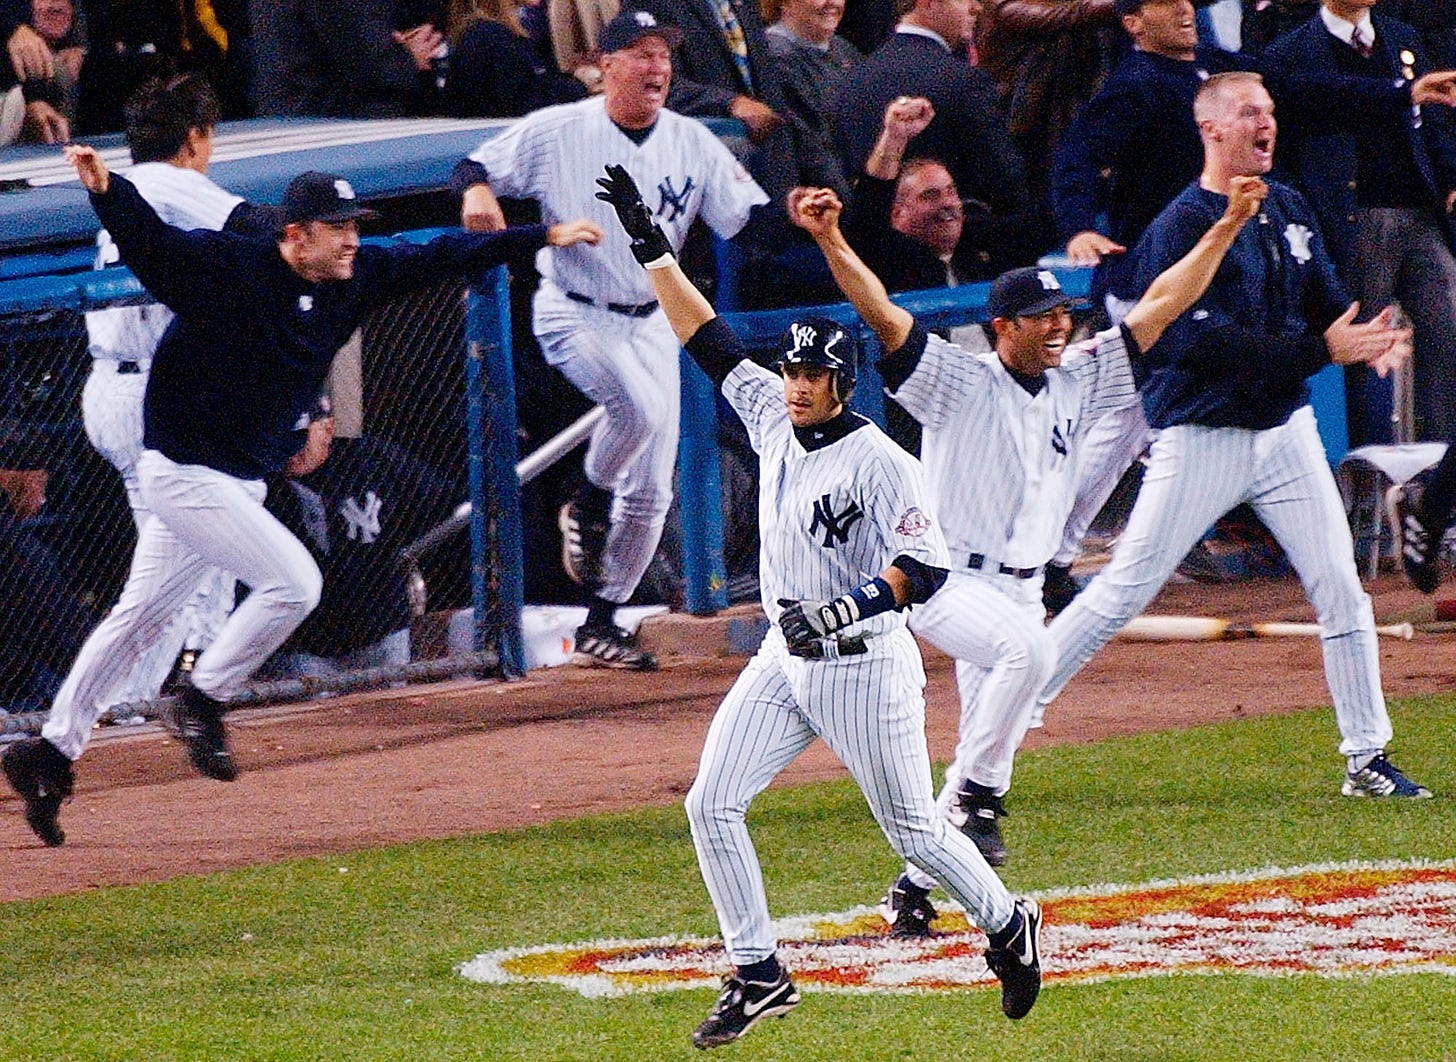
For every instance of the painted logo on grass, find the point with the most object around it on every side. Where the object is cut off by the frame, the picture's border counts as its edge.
(1329, 920)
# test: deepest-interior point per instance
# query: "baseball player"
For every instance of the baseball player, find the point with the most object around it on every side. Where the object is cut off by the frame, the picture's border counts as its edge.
(257, 327)
(839, 504)
(169, 128)
(1225, 390)
(1024, 411)
(595, 315)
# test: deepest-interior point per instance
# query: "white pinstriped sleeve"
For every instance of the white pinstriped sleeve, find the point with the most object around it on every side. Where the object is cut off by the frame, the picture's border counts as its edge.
(899, 505)
(519, 159)
(731, 194)
(1104, 372)
(946, 376)
(757, 396)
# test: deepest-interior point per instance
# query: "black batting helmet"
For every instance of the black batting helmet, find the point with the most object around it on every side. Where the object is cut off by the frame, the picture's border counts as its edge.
(824, 342)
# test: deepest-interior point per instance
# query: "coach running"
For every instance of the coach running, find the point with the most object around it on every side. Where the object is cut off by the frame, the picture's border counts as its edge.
(258, 324)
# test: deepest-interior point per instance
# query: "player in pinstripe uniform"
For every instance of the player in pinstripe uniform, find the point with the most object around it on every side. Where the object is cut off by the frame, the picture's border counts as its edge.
(1024, 410)
(595, 315)
(169, 128)
(258, 325)
(839, 504)
(1225, 391)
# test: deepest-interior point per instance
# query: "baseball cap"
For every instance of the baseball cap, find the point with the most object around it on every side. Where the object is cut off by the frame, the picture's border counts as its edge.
(1127, 7)
(628, 27)
(1025, 292)
(315, 196)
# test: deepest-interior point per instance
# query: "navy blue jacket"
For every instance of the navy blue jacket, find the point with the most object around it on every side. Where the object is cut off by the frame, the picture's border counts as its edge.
(1239, 357)
(1322, 161)
(252, 341)
(1132, 147)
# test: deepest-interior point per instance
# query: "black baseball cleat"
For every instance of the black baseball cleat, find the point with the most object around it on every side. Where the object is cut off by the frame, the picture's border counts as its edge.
(741, 1004)
(1420, 544)
(1016, 959)
(199, 724)
(584, 524)
(607, 645)
(43, 777)
(908, 909)
(983, 808)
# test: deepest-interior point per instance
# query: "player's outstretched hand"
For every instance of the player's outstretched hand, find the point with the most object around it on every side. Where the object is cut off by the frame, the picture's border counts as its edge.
(567, 233)
(1374, 342)
(95, 177)
(1088, 248)
(649, 243)
(815, 210)
(1246, 198)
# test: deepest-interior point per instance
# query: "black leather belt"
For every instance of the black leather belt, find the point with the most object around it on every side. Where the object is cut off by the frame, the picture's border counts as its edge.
(978, 561)
(832, 648)
(128, 368)
(642, 309)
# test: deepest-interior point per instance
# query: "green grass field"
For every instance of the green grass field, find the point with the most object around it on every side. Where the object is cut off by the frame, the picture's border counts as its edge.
(353, 957)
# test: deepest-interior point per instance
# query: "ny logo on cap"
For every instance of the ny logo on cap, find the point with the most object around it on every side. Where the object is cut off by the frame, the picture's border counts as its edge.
(644, 18)
(343, 189)
(1048, 280)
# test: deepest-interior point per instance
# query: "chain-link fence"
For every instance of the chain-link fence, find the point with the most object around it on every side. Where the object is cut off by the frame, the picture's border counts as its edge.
(396, 467)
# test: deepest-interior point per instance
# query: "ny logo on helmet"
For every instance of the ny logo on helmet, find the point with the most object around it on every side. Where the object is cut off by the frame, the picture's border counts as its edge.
(805, 335)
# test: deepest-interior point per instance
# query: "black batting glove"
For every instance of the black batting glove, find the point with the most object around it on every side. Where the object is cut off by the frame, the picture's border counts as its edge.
(649, 242)
(808, 621)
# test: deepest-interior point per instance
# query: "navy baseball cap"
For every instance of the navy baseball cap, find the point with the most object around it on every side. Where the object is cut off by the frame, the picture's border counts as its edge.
(1025, 293)
(628, 27)
(315, 196)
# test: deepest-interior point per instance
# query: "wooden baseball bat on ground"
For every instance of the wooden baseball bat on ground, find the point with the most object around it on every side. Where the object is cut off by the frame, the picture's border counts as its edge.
(1214, 629)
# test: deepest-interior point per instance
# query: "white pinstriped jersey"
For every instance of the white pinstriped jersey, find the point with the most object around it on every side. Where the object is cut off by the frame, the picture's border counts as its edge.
(831, 517)
(1001, 463)
(555, 155)
(181, 197)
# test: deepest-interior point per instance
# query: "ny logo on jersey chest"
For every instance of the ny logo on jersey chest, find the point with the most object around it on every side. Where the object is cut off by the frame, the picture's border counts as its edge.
(834, 525)
(670, 198)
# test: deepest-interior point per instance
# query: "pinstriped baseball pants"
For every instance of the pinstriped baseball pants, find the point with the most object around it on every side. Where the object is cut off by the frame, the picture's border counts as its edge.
(628, 366)
(1197, 474)
(111, 408)
(201, 518)
(871, 713)
(994, 628)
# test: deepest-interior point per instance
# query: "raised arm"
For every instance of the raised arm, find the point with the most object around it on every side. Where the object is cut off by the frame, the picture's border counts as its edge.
(1183, 283)
(686, 308)
(816, 211)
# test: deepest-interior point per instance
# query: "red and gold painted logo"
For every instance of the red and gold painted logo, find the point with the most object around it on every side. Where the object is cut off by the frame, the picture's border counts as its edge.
(1332, 921)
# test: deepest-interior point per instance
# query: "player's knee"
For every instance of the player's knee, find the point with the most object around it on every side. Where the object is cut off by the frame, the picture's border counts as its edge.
(300, 592)
(1041, 658)
(707, 804)
(1119, 597)
(1341, 608)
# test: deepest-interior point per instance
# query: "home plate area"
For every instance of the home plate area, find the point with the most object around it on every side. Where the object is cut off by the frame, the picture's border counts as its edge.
(1333, 920)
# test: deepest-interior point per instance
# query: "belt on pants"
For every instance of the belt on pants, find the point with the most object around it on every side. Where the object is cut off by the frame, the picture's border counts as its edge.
(832, 648)
(626, 309)
(978, 562)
